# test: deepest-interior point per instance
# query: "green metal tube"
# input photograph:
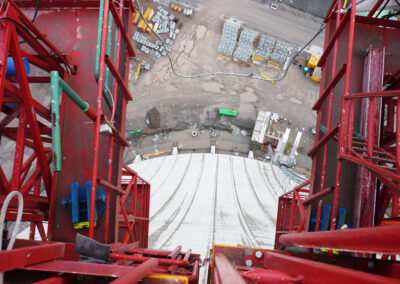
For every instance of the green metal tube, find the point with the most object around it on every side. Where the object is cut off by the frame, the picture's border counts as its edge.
(108, 50)
(98, 48)
(55, 120)
(98, 45)
(83, 106)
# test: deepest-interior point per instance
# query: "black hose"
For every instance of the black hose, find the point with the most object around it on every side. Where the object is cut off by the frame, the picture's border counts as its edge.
(36, 10)
(383, 8)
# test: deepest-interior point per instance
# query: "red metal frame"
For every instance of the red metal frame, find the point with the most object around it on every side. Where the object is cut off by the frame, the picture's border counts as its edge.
(347, 150)
(125, 223)
(231, 264)
(377, 156)
(32, 136)
(361, 175)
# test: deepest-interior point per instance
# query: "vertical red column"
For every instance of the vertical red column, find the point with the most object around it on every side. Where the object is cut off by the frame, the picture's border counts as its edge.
(371, 112)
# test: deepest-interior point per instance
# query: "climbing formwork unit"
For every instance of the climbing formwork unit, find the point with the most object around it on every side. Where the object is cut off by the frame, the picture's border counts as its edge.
(64, 68)
(353, 201)
(343, 223)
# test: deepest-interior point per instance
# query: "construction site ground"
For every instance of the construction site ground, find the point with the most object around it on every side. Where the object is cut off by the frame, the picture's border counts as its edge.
(187, 104)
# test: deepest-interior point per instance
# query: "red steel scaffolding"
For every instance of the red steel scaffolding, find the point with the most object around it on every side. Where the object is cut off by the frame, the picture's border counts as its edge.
(79, 141)
(342, 224)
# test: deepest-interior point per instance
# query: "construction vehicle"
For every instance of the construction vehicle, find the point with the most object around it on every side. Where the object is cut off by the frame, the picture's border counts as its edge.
(68, 170)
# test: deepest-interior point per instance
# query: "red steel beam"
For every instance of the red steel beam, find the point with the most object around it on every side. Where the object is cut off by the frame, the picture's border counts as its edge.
(26, 217)
(324, 140)
(317, 272)
(331, 9)
(330, 102)
(96, 143)
(382, 239)
(20, 257)
(121, 26)
(41, 37)
(31, 118)
(96, 269)
(375, 8)
(344, 116)
(173, 254)
(334, 37)
(137, 273)
(373, 167)
(114, 106)
(10, 117)
(39, 108)
(318, 195)
(339, 74)
(115, 132)
(391, 93)
(5, 35)
(137, 258)
(55, 280)
(39, 202)
(224, 272)
(35, 60)
(110, 186)
(117, 76)
(398, 136)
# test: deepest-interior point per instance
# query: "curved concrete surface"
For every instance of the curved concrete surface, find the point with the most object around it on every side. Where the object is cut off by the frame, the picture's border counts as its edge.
(201, 199)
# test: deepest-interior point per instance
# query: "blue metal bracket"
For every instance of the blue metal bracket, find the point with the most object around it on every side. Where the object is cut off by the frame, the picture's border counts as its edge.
(78, 204)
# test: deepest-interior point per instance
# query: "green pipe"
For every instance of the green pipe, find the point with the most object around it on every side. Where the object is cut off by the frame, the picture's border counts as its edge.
(98, 48)
(98, 45)
(115, 56)
(108, 50)
(55, 120)
(83, 106)
(355, 133)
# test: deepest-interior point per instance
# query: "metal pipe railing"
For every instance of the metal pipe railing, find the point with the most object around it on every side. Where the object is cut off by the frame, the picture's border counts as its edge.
(108, 98)
(55, 120)
(383, 239)
(58, 86)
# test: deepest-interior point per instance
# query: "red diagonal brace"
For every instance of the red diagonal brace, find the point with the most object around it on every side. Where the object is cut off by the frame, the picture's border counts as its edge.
(31, 117)
(116, 75)
(121, 26)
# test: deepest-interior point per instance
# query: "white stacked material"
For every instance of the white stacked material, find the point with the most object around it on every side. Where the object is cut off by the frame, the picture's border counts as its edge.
(265, 46)
(229, 37)
(187, 12)
(245, 45)
(260, 127)
(281, 51)
(141, 38)
(279, 56)
(163, 2)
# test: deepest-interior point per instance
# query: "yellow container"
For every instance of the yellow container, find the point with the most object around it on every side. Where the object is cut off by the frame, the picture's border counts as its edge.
(142, 25)
(136, 18)
(258, 58)
(313, 61)
(316, 75)
(151, 15)
(147, 13)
